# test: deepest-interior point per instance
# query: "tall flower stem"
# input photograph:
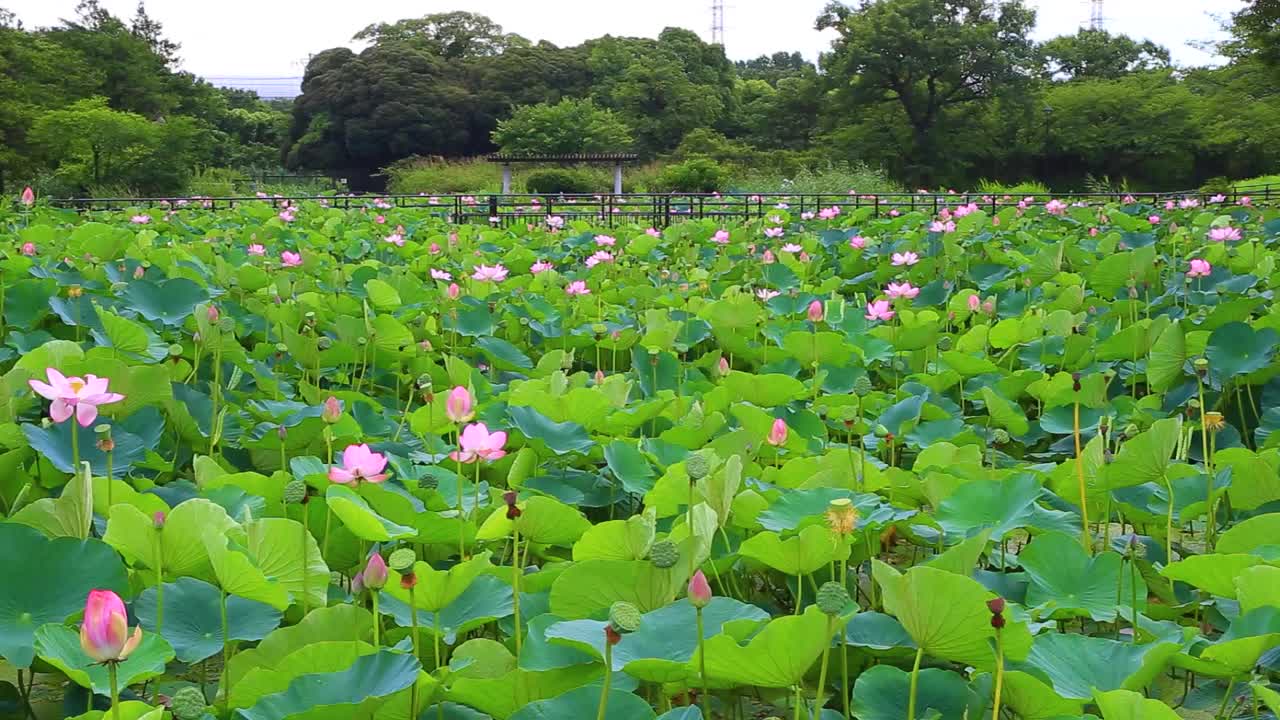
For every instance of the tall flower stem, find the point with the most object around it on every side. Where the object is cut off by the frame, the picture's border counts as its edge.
(1210, 515)
(822, 673)
(844, 656)
(702, 669)
(1084, 492)
(516, 571)
(915, 682)
(608, 676)
(157, 550)
(114, 673)
(377, 619)
(413, 615)
(75, 450)
(306, 533)
(995, 705)
(226, 644)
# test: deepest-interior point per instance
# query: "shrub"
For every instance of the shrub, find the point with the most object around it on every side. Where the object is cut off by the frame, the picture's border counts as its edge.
(560, 180)
(824, 177)
(436, 176)
(695, 175)
(1031, 187)
(216, 182)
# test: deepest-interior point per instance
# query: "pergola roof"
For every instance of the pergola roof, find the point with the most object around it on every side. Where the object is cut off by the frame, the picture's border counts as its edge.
(563, 157)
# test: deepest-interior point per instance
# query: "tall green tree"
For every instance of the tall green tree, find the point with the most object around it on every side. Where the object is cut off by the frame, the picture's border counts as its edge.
(1099, 54)
(1255, 32)
(452, 35)
(569, 126)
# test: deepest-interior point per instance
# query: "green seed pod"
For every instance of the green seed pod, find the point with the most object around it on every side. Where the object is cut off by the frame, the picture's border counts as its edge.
(295, 492)
(697, 465)
(624, 618)
(175, 350)
(944, 343)
(664, 554)
(832, 598)
(188, 704)
(402, 559)
(428, 482)
(324, 343)
(862, 386)
(1000, 436)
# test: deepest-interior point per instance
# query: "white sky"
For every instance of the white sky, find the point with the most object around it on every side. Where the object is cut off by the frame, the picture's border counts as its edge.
(264, 38)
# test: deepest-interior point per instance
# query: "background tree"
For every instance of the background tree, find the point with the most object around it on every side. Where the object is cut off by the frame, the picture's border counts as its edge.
(1099, 54)
(569, 126)
(452, 35)
(1255, 32)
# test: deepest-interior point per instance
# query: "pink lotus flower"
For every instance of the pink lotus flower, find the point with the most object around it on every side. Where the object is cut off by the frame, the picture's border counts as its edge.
(1246, 201)
(290, 259)
(777, 433)
(434, 248)
(723, 365)
(974, 303)
(331, 411)
(541, 267)
(104, 634)
(28, 249)
(721, 237)
(555, 222)
(74, 395)
(1055, 207)
(459, 407)
(815, 311)
(1223, 234)
(453, 291)
(857, 242)
(28, 196)
(989, 307)
(699, 590)
(375, 572)
(768, 257)
(963, 210)
(1153, 219)
(599, 256)
(359, 463)
(903, 290)
(806, 215)
(1169, 205)
(396, 239)
(995, 221)
(895, 212)
(256, 249)
(440, 275)
(828, 213)
(1218, 198)
(1093, 232)
(606, 240)
(766, 294)
(140, 219)
(381, 220)
(497, 273)
(477, 443)
(879, 310)
(773, 232)
(577, 287)
(653, 232)
(1188, 203)
(287, 215)
(1199, 268)
(905, 258)
(941, 227)
(1129, 200)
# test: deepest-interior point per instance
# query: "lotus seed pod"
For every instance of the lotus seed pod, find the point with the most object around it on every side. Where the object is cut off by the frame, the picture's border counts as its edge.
(324, 343)
(944, 343)
(1000, 436)
(1201, 365)
(842, 516)
(697, 466)
(175, 350)
(402, 559)
(624, 618)
(188, 704)
(282, 348)
(664, 554)
(862, 386)
(832, 598)
(428, 482)
(227, 324)
(295, 492)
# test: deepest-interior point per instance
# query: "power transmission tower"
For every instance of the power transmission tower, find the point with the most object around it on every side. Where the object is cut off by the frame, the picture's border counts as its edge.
(717, 22)
(1096, 18)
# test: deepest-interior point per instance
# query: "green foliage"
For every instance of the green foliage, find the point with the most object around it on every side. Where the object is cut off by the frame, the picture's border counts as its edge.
(569, 126)
(558, 181)
(697, 175)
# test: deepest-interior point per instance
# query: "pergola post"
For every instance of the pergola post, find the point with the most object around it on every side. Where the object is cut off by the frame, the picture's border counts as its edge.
(617, 178)
(506, 178)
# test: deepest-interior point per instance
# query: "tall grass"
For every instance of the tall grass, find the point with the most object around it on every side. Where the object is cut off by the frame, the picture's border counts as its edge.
(831, 178)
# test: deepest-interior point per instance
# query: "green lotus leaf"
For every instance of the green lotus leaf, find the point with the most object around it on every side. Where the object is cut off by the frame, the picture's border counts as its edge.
(236, 573)
(129, 710)
(369, 683)
(1067, 582)
(1077, 665)
(1002, 506)
(360, 519)
(584, 702)
(328, 624)
(321, 657)
(1130, 705)
(777, 656)
(1249, 535)
(484, 658)
(628, 539)
(591, 586)
(1258, 587)
(562, 438)
(49, 580)
(502, 697)
(769, 390)
(883, 693)
(543, 520)
(814, 547)
(169, 301)
(182, 550)
(1237, 349)
(1215, 574)
(193, 618)
(485, 600)
(437, 589)
(59, 646)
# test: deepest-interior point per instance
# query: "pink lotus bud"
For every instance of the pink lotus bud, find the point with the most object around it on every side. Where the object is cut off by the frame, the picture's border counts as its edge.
(459, 407)
(28, 249)
(599, 377)
(974, 303)
(104, 634)
(375, 573)
(699, 590)
(454, 291)
(778, 433)
(213, 314)
(138, 272)
(815, 311)
(28, 196)
(157, 519)
(723, 365)
(332, 410)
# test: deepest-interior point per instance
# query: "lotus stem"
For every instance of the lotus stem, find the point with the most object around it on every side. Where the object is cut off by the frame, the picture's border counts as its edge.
(1084, 492)
(413, 619)
(995, 707)
(75, 449)
(475, 510)
(1210, 516)
(608, 676)
(1133, 591)
(159, 568)
(915, 681)
(516, 571)
(1226, 697)
(226, 644)
(114, 673)
(377, 619)
(844, 656)
(822, 672)
(306, 532)
(702, 669)
(328, 522)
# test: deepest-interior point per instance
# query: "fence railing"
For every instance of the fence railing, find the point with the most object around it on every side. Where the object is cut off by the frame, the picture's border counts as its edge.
(662, 209)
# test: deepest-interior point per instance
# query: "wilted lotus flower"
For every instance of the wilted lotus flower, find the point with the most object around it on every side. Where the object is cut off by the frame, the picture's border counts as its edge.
(73, 395)
(359, 463)
(459, 407)
(104, 634)
(477, 443)
(778, 433)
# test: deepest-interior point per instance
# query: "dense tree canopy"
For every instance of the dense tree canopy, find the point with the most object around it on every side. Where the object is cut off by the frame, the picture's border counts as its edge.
(569, 126)
(1099, 54)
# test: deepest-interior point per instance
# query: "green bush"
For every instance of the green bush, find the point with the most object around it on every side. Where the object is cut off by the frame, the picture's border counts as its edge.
(991, 187)
(695, 175)
(216, 182)
(560, 180)
(439, 177)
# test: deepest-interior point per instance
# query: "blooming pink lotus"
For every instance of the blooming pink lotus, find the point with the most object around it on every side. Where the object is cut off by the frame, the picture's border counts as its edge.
(905, 258)
(381, 219)
(287, 215)
(496, 273)
(459, 407)
(577, 287)
(792, 248)
(721, 237)
(290, 259)
(540, 267)
(1188, 203)
(395, 239)
(140, 219)
(653, 232)
(440, 275)
(1246, 201)
(807, 215)
(104, 634)
(1169, 205)
(606, 240)
(74, 395)
(1055, 207)
(777, 433)
(28, 249)
(1224, 234)
(879, 310)
(857, 242)
(477, 443)
(1218, 198)
(599, 256)
(768, 257)
(815, 311)
(28, 196)
(1153, 219)
(766, 294)
(434, 248)
(901, 290)
(963, 210)
(1199, 268)
(555, 222)
(942, 227)
(359, 463)
(256, 249)
(774, 232)
(699, 590)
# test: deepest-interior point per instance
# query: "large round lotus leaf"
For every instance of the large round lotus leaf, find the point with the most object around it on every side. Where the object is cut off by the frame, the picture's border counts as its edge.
(68, 515)
(1248, 536)
(46, 581)
(584, 702)
(543, 520)
(169, 301)
(502, 697)
(667, 639)
(877, 631)
(1077, 665)
(628, 539)
(237, 574)
(537, 653)
(133, 533)
(590, 587)
(360, 519)
(338, 622)
(369, 683)
(688, 712)
(778, 656)
(1002, 505)
(193, 618)
(562, 438)
(1215, 574)
(1067, 582)
(1249, 636)
(132, 438)
(884, 692)
(1258, 587)
(814, 547)
(1237, 349)
(59, 646)
(129, 710)
(320, 657)
(437, 589)
(485, 600)
(1129, 705)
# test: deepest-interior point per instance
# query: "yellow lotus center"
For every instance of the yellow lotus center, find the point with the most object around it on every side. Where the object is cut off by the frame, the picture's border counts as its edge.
(76, 384)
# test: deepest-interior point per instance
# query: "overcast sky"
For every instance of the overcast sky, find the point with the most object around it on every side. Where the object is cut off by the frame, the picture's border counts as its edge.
(266, 38)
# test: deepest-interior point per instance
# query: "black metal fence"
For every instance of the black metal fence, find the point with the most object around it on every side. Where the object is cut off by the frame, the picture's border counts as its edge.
(659, 210)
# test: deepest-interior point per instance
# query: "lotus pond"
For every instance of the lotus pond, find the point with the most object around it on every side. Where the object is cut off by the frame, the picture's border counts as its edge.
(269, 463)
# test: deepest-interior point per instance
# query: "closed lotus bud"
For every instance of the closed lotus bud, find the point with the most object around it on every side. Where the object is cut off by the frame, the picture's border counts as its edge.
(188, 704)
(295, 491)
(158, 519)
(402, 559)
(332, 410)
(723, 366)
(599, 377)
(832, 598)
(282, 432)
(624, 618)
(815, 311)
(697, 466)
(664, 554)
(1130, 430)
(104, 633)
(699, 590)
(1075, 382)
(138, 272)
(213, 314)
(778, 433)
(862, 386)
(459, 406)
(996, 605)
(375, 573)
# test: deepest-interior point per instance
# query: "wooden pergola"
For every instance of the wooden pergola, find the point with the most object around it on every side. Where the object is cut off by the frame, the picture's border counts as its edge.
(615, 159)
